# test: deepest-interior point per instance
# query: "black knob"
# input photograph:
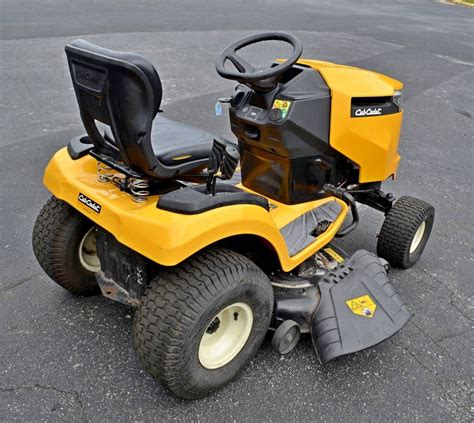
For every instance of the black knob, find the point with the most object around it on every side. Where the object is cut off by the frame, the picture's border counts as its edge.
(275, 114)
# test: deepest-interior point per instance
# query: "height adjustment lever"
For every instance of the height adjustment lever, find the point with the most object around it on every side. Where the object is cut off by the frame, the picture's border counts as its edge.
(350, 201)
(223, 161)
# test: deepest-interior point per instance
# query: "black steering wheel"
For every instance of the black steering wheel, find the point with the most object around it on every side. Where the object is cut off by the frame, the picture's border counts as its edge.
(248, 73)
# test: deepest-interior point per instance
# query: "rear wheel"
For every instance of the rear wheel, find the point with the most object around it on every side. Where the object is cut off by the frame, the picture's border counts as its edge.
(200, 322)
(64, 245)
(405, 232)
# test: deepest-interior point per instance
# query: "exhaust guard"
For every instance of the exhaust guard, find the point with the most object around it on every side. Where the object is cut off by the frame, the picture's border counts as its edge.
(358, 309)
(350, 308)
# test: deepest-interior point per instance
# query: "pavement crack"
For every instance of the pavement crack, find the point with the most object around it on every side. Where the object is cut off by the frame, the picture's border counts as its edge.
(35, 386)
(445, 385)
(21, 281)
(444, 338)
(451, 295)
(437, 341)
(429, 337)
(427, 368)
(456, 307)
(463, 113)
(37, 318)
(75, 394)
(81, 406)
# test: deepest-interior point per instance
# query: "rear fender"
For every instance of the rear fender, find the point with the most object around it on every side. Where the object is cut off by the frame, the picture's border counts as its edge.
(165, 237)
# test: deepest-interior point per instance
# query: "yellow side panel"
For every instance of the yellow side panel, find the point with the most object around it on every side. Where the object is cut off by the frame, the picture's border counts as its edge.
(370, 142)
(169, 238)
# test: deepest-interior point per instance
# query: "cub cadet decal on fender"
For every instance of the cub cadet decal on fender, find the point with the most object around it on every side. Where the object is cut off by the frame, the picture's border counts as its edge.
(362, 306)
(89, 203)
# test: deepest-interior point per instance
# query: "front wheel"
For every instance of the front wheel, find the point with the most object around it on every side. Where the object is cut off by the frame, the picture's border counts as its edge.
(64, 245)
(405, 232)
(200, 322)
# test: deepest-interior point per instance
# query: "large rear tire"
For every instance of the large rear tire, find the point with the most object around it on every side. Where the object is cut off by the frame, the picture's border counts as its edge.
(405, 232)
(201, 322)
(64, 245)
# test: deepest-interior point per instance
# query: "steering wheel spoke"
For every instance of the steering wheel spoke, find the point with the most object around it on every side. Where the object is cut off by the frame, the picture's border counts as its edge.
(242, 65)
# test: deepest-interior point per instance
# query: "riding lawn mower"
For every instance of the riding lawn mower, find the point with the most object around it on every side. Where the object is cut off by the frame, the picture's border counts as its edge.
(216, 242)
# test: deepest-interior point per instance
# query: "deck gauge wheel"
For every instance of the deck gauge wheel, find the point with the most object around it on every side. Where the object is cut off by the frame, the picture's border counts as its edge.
(286, 337)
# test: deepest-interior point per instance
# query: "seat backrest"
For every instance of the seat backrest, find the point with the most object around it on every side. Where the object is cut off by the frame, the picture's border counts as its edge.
(122, 90)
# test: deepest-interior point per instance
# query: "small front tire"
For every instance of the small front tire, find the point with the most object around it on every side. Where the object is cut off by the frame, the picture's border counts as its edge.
(405, 232)
(199, 323)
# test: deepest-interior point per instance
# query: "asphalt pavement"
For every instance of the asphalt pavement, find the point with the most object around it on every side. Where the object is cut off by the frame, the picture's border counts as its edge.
(64, 358)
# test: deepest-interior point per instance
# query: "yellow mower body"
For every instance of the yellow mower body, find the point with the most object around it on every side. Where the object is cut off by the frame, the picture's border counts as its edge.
(169, 238)
(370, 143)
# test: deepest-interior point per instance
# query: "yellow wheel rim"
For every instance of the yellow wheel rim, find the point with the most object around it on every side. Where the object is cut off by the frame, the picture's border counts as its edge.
(418, 237)
(88, 252)
(225, 336)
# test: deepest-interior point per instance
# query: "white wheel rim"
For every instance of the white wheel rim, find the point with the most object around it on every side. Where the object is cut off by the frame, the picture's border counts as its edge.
(225, 336)
(418, 237)
(88, 252)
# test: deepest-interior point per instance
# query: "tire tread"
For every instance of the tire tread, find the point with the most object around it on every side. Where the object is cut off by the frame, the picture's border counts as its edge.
(49, 240)
(399, 226)
(174, 300)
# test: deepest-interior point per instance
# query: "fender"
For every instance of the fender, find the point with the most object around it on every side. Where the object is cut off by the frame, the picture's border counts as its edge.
(165, 237)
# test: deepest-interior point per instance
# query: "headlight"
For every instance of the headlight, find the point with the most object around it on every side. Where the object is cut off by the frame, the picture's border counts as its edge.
(397, 99)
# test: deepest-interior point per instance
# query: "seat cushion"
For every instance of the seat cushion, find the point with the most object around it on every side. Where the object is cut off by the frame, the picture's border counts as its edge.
(174, 142)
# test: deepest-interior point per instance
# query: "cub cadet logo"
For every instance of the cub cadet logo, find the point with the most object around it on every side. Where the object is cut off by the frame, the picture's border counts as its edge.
(369, 111)
(88, 77)
(89, 203)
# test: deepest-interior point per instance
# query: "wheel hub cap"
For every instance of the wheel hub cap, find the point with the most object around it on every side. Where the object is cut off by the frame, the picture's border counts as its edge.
(88, 252)
(225, 336)
(418, 237)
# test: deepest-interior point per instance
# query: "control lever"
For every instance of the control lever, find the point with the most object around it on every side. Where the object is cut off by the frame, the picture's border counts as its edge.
(224, 158)
(230, 162)
(350, 201)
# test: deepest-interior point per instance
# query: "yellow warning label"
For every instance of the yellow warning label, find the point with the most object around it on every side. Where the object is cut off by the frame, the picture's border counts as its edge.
(283, 105)
(362, 306)
(334, 255)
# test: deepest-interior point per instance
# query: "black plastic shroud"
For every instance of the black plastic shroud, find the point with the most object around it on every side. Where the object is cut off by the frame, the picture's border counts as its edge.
(287, 156)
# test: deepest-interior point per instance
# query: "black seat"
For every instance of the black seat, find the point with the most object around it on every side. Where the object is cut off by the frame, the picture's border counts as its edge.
(123, 90)
(175, 142)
